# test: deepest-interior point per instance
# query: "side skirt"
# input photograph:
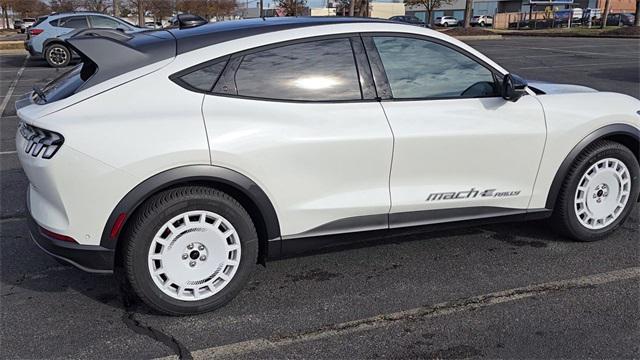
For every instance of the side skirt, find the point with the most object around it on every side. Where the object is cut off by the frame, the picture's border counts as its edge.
(335, 235)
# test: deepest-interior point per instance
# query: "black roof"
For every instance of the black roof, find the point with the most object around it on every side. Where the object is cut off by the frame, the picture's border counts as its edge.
(214, 33)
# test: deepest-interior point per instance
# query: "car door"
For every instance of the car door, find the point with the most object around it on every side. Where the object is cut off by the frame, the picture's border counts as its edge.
(301, 120)
(457, 143)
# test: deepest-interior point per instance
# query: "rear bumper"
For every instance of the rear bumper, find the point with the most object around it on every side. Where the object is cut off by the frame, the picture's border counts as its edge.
(90, 258)
(30, 49)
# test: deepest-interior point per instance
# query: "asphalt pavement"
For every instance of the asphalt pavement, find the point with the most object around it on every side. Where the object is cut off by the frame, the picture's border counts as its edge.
(497, 291)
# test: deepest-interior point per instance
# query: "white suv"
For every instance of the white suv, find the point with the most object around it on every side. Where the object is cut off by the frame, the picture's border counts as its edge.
(482, 20)
(183, 157)
(446, 21)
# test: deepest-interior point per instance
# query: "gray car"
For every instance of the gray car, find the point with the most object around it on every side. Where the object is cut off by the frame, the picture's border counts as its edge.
(43, 38)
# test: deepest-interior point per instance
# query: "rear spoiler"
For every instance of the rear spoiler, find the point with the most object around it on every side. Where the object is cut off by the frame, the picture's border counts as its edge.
(107, 53)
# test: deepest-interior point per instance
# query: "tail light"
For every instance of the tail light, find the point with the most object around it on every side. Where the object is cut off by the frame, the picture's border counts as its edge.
(40, 140)
(34, 32)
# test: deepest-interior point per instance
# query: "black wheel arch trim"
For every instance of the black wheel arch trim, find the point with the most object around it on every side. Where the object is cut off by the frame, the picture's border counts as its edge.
(52, 41)
(186, 174)
(605, 131)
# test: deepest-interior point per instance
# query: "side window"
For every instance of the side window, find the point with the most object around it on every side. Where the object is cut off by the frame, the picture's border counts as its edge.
(104, 22)
(202, 78)
(322, 70)
(74, 22)
(419, 68)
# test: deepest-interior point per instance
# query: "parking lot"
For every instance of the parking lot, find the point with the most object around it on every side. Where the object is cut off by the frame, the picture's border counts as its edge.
(497, 291)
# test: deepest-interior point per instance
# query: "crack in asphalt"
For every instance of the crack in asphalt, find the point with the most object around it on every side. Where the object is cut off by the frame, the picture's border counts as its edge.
(128, 318)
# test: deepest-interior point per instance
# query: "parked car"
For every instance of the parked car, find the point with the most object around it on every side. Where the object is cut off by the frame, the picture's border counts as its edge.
(594, 15)
(482, 20)
(180, 158)
(26, 23)
(153, 25)
(621, 19)
(17, 25)
(42, 39)
(408, 19)
(446, 21)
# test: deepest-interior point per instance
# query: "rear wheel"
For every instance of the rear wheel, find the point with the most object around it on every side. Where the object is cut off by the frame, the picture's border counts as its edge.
(445, 24)
(599, 192)
(190, 250)
(57, 55)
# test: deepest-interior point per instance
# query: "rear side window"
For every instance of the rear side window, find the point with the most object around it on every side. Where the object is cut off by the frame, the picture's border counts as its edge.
(322, 70)
(203, 78)
(74, 22)
(104, 22)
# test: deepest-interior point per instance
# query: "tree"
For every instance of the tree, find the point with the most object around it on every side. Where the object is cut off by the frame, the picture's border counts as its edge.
(607, 9)
(636, 22)
(97, 5)
(64, 5)
(429, 6)
(292, 7)
(28, 8)
(468, 12)
(161, 8)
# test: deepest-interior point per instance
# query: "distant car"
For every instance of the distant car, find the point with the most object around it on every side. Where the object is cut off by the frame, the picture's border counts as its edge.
(446, 21)
(26, 23)
(42, 38)
(183, 21)
(618, 19)
(408, 19)
(593, 15)
(482, 20)
(153, 25)
(17, 25)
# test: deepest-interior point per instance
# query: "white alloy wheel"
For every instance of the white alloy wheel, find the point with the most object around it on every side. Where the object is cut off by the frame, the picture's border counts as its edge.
(194, 255)
(602, 193)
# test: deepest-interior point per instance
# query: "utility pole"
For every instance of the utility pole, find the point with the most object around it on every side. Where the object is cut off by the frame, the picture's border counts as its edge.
(607, 8)
(140, 13)
(636, 22)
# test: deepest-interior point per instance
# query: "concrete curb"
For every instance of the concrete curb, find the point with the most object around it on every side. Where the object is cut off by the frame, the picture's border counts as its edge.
(11, 45)
(608, 36)
(478, 37)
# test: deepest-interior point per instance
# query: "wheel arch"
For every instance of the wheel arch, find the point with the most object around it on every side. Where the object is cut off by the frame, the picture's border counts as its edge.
(51, 41)
(624, 134)
(243, 189)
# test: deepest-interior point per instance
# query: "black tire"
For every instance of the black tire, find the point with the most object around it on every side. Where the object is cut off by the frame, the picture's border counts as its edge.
(445, 24)
(157, 211)
(57, 55)
(564, 216)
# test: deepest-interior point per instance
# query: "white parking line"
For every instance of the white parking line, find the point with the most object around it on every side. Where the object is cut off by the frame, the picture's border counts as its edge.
(424, 312)
(7, 152)
(12, 87)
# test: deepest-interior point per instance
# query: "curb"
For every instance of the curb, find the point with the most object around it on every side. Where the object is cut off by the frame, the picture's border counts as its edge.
(478, 37)
(11, 45)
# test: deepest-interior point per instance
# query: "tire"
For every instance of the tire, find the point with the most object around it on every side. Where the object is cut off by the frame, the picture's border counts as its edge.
(589, 209)
(57, 55)
(445, 24)
(189, 260)
(481, 24)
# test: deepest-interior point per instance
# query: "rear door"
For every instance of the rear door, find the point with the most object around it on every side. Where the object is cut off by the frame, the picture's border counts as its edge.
(302, 121)
(458, 144)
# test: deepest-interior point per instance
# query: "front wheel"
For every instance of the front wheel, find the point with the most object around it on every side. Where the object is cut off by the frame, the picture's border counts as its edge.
(445, 24)
(598, 193)
(190, 250)
(57, 55)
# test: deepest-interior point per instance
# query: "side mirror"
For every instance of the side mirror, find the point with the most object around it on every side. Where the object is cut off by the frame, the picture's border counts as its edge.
(513, 87)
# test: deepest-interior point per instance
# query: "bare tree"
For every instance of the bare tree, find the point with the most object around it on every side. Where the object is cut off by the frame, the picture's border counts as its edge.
(161, 8)
(637, 20)
(607, 9)
(64, 5)
(468, 12)
(352, 8)
(429, 6)
(97, 5)
(292, 7)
